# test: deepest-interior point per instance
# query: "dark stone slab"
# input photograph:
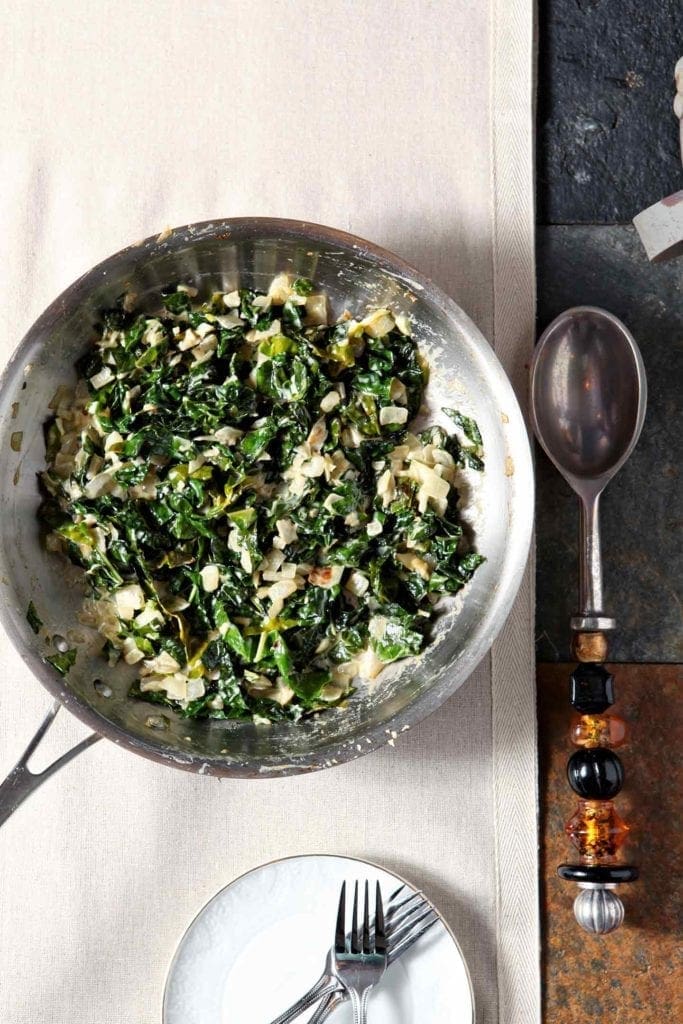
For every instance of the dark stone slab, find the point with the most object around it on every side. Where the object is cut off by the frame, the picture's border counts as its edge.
(642, 508)
(607, 140)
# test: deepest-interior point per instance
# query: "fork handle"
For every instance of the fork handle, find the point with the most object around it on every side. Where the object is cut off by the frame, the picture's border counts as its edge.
(324, 987)
(328, 1005)
(360, 1005)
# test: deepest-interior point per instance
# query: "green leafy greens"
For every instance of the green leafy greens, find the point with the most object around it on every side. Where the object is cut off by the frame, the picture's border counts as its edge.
(33, 618)
(258, 524)
(63, 660)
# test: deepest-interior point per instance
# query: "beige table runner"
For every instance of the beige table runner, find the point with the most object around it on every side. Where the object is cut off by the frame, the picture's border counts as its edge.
(409, 123)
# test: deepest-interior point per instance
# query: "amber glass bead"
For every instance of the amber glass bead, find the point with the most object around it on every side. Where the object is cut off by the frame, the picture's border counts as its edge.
(596, 830)
(598, 730)
(589, 646)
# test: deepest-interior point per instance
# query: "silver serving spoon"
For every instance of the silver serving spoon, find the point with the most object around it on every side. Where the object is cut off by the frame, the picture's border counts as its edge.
(588, 397)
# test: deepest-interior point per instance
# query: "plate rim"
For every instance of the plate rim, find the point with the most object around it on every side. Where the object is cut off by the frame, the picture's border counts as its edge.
(306, 856)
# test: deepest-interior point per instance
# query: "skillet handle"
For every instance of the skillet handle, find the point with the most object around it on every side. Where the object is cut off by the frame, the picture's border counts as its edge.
(21, 781)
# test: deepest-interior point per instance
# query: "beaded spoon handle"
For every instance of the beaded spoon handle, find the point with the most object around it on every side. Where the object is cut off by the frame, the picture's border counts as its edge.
(588, 395)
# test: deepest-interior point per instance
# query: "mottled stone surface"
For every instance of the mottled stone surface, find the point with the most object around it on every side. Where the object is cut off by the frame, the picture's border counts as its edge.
(607, 148)
(607, 136)
(633, 975)
(642, 508)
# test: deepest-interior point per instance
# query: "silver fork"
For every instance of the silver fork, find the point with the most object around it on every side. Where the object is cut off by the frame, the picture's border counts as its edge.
(406, 937)
(361, 960)
(407, 919)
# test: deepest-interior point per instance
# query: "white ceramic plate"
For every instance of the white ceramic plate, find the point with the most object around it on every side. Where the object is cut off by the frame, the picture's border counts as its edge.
(261, 942)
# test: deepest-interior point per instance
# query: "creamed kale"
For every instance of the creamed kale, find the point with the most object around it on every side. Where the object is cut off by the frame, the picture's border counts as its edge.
(257, 522)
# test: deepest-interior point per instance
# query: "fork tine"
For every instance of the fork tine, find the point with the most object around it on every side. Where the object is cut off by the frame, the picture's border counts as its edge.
(409, 940)
(395, 893)
(397, 935)
(398, 912)
(395, 906)
(340, 930)
(366, 919)
(355, 934)
(380, 934)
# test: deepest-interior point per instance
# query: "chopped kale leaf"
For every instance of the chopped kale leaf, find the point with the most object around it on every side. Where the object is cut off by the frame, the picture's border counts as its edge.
(63, 661)
(33, 618)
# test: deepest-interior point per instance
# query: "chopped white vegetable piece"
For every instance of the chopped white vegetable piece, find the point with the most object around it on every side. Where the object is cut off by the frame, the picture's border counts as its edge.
(330, 401)
(369, 665)
(175, 685)
(131, 652)
(398, 391)
(204, 329)
(377, 626)
(162, 664)
(101, 484)
(278, 594)
(314, 467)
(228, 435)
(128, 600)
(211, 578)
(105, 376)
(326, 576)
(149, 614)
(195, 689)
(287, 531)
(378, 323)
(190, 340)
(434, 486)
(357, 583)
(205, 349)
(280, 289)
(386, 487)
(404, 325)
(393, 414)
(318, 434)
(113, 441)
(316, 309)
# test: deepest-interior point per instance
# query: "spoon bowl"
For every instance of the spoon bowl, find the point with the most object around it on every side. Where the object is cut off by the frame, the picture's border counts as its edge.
(588, 398)
(588, 394)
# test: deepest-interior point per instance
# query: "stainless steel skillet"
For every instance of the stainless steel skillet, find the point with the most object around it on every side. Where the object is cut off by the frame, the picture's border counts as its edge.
(464, 373)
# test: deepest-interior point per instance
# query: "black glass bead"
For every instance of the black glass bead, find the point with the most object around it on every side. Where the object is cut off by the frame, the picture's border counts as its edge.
(592, 689)
(601, 874)
(595, 773)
